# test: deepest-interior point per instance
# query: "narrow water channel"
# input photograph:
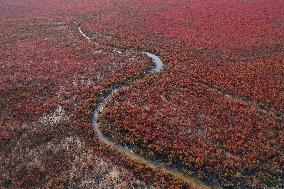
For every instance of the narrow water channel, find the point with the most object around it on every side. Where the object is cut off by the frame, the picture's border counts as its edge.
(99, 107)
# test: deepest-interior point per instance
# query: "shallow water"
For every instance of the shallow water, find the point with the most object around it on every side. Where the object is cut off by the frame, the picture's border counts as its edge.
(158, 62)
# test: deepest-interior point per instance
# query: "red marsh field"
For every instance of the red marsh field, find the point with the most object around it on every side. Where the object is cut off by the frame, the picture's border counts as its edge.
(141, 94)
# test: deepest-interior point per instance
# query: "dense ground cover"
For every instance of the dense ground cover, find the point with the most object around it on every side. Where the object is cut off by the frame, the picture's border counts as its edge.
(217, 110)
(178, 121)
(214, 112)
(50, 79)
(218, 31)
